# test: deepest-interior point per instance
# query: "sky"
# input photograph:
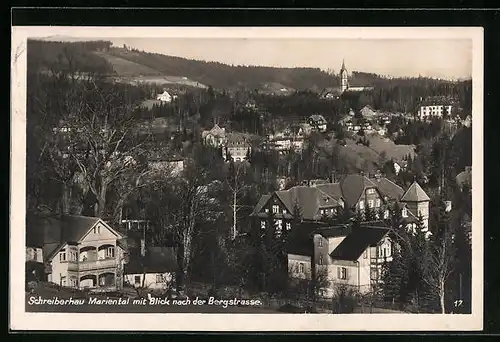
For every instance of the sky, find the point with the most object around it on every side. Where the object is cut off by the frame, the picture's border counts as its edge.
(438, 58)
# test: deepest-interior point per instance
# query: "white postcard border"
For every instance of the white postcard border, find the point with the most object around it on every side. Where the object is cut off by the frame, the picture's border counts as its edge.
(22, 320)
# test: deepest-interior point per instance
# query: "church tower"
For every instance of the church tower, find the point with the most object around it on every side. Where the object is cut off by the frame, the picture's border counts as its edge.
(343, 78)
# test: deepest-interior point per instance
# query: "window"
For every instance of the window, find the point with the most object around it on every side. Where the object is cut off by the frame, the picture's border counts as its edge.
(110, 252)
(322, 212)
(377, 203)
(342, 273)
(365, 254)
(370, 191)
(280, 225)
(35, 254)
(404, 212)
(73, 282)
(386, 214)
(73, 255)
(284, 211)
(320, 242)
(301, 267)
(262, 224)
(288, 226)
(370, 203)
(266, 210)
(63, 280)
(276, 209)
(160, 278)
(137, 279)
(62, 256)
(320, 260)
(361, 205)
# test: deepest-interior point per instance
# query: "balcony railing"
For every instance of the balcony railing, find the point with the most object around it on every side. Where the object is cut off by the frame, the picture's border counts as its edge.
(96, 264)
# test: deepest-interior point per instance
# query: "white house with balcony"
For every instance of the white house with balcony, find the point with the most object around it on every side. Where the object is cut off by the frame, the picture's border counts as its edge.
(80, 251)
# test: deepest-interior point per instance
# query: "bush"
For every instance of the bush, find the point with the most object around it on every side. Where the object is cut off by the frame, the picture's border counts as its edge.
(345, 299)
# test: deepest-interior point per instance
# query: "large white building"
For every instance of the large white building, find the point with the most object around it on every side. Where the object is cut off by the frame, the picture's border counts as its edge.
(433, 110)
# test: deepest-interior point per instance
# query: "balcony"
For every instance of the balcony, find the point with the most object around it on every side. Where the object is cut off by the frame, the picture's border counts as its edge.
(97, 264)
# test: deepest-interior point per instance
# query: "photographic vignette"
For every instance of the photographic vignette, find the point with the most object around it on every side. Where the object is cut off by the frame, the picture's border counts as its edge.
(21, 319)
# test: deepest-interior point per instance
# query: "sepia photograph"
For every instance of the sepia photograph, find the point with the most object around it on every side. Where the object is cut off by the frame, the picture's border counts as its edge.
(296, 177)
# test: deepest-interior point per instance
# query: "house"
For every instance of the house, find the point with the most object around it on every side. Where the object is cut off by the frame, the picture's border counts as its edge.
(236, 147)
(464, 178)
(175, 166)
(317, 202)
(34, 252)
(367, 112)
(215, 137)
(467, 122)
(155, 270)
(165, 97)
(80, 251)
(317, 122)
(352, 255)
(434, 107)
(331, 93)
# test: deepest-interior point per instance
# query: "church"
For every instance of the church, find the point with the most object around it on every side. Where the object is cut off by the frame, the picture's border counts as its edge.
(345, 86)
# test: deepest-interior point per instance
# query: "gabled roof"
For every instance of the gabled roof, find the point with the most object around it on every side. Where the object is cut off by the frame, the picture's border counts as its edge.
(353, 186)
(156, 260)
(353, 246)
(389, 188)
(263, 200)
(54, 231)
(317, 117)
(415, 193)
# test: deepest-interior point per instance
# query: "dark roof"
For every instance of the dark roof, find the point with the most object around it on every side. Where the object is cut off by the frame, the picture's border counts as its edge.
(53, 231)
(358, 241)
(388, 188)
(314, 197)
(263, 200)
(333, 231)
(415, 193)
(156, 260)
(353, 186)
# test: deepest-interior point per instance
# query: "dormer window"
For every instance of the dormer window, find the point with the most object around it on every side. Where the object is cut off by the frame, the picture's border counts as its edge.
(370, 191)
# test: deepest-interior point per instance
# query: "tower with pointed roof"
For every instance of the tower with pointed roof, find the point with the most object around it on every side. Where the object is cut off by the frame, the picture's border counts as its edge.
(343, 78)
(417, 201)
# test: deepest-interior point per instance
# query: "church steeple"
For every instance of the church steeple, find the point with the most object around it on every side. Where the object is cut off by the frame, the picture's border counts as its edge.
(343, 78)
(343, 66)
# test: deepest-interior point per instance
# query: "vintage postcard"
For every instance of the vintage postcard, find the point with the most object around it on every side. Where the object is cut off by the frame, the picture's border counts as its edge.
(299, 179)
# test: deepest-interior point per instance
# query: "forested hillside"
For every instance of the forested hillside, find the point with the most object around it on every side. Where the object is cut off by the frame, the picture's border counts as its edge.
(392, 94)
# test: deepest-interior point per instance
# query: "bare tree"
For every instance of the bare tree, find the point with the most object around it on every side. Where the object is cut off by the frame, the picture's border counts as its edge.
(439, 264)
(103, 144)
(236, 186)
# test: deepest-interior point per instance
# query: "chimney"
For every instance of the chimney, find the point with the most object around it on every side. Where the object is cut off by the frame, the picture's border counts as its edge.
(333, 177)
